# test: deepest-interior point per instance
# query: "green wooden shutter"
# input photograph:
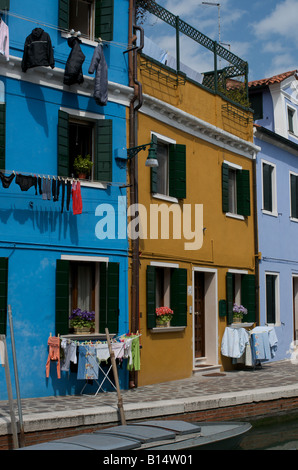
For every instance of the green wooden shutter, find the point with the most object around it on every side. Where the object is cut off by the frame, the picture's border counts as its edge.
(243, 192)
(63, 144)
(4, 4)
(225, 187)
(109, 297)
(63, 14)
(2, 135)
(294, 196)
(222, 308)
(248, 296)
(267, 187)
(104, 19)
(270, 298)
(151, 292)
(62, 296)
(230, 296)
(104, 150)
(3, 294)
(177, 171)
(178, 294)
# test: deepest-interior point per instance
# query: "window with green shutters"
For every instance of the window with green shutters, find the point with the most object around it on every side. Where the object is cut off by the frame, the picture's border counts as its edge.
(68, 293)
(97, 135)
(269, 187)
(294, 195)
(241, 289)
(94, 18)
(169, 178)
(3, 294)
(271, 298)
(235, 190)
(177, 287)
(2, 135)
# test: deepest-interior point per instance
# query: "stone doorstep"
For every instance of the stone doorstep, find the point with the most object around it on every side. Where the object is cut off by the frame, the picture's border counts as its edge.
(203, 369)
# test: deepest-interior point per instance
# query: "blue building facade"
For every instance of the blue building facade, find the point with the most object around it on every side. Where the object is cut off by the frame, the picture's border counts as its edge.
(53, 257)
(275, 103)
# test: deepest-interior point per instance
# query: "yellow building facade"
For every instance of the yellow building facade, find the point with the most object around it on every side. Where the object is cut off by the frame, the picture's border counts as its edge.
(196, 224)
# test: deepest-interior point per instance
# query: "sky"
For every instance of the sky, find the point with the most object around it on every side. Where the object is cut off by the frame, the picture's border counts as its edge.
(261, 32)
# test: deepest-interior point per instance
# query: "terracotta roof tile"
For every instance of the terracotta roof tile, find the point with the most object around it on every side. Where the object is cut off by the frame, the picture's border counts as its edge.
(275, 79)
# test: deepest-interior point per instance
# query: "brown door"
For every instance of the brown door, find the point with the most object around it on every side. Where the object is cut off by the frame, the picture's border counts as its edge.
(199, 315)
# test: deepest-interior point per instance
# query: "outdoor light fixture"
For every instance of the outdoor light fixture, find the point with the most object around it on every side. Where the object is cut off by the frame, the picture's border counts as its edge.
(152, 155)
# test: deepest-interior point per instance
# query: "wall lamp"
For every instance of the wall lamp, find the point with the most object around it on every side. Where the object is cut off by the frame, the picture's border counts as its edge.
(152, 154)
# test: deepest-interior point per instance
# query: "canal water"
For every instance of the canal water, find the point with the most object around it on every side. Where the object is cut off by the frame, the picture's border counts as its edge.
(280, 433)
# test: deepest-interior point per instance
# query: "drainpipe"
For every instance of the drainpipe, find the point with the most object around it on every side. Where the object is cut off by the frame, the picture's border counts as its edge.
(256, 240)
(133, 142)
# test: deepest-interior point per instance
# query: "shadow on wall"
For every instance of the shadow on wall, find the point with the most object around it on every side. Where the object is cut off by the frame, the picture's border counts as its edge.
(45, 220)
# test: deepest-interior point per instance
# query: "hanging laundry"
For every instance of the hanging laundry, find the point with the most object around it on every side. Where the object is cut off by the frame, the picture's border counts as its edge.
(69, 354)
(46, 189)
(26, 182)
(55, 190)
(54, 355)
(68, 194)
(6, 180)
(4, 39)
(2, 353)
(99, 65)
(61, 185)
(39, 182)
(77, 205)
(38, 50)
(87, 365)
(73, 68)
(135, 360)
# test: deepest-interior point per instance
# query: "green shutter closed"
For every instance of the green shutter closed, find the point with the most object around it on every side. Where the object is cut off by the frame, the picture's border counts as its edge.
(63, 144)
(243, 192)
(225, 187)
(62, 296)
(177, 171)
(151, 292)
(63, 19)
(3, 294)
(4, 4)
(109, 297)
(230, 296)
(104, 19)
(104, 150)
(2, 135)
(248, 296)
(178, 294)
(267, 187)
(270, 298)
(294, 196)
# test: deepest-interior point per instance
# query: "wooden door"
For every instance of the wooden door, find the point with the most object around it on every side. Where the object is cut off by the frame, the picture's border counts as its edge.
(199, 315)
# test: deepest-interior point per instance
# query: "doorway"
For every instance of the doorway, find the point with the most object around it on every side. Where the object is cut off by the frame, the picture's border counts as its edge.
(199, 317)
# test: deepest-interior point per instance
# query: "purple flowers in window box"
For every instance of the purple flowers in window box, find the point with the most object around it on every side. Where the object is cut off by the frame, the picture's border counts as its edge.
(82, 319)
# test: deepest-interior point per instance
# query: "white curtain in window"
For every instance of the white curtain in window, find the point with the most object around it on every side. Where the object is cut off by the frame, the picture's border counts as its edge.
(84, 287)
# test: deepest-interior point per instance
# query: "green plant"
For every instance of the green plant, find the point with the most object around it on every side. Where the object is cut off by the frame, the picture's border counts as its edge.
(83, 164)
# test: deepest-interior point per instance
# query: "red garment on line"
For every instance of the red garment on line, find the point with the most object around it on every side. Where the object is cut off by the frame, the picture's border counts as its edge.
(77, 204)
(54, 354)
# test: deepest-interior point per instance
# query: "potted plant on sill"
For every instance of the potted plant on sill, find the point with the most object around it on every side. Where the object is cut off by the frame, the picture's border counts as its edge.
(238, 312)
(83, 166)
(82, 321)
(163, 316)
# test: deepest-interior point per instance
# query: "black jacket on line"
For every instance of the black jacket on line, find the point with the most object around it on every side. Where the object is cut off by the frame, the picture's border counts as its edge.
(38, 50)
(73, 68)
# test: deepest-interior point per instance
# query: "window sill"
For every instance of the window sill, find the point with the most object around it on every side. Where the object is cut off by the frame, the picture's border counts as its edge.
(293, 219)
(273, 214)
(235, 216)
(164, 197)
(89, 42)
(170, 329)
(93, 184)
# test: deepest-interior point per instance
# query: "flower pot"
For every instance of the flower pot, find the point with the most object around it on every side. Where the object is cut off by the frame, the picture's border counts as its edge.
(237, 320)
(81, 330)
(160, 323)
(82, 176)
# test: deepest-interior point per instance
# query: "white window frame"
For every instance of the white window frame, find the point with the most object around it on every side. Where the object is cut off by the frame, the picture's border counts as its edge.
(277, 298)
(165, 140)
(293, 110)
(233, 215)
(274, 212)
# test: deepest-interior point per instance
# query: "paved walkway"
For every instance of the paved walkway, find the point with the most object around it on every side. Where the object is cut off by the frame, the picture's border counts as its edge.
(273, 381)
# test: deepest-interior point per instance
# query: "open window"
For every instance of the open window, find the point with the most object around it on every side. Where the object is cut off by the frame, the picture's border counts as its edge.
(91, 286)
(167, 287)
(93, 18)
(78, 136)
(235, 190)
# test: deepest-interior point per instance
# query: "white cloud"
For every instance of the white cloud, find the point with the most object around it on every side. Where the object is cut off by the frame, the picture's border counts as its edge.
(282, 21)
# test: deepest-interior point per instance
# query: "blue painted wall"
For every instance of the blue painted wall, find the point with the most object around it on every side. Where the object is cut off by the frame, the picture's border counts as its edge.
(33, 232)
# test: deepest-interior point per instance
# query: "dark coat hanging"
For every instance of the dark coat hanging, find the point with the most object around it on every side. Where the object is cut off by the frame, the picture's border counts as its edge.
(99, 65)
(38, 50)
(73, 68)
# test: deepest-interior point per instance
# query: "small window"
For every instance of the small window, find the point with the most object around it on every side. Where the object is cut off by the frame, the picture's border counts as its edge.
(81, 16)
(235, 190)
(272, 301)
(256, 103)
(80, 143)
(291, 120)
(269, 188)
(163, 286)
